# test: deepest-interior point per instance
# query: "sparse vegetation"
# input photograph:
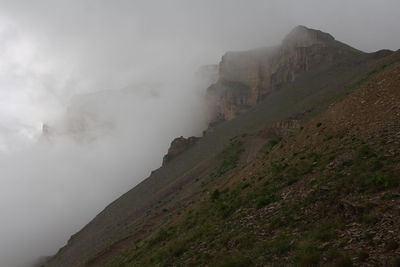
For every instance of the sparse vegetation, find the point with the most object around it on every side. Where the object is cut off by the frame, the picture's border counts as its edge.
(265, 200)
(365, 152)
(229, 157)
(273, 142)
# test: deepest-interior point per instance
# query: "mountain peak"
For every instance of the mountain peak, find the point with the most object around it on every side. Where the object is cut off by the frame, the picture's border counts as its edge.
(303, 36)
(246, 78)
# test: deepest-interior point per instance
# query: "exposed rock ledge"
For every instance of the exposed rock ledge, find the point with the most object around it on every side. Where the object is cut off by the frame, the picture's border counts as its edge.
(179, 145)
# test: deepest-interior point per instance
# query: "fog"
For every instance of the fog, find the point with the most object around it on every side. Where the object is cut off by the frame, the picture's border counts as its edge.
(112, 83)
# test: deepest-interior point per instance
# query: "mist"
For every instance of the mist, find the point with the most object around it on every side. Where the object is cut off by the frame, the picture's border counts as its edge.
(112, 83)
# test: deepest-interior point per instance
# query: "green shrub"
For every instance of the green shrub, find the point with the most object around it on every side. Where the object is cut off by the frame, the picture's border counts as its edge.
(378, 180)
(365, 151)
(265, 200)
(273, 142)
(314, 156)
(215, 195)
(245, 185)
(178, 250)
(291, 180)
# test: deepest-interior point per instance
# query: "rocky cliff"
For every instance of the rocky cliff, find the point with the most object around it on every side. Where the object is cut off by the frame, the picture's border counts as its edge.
(246, 78)
(179, 145)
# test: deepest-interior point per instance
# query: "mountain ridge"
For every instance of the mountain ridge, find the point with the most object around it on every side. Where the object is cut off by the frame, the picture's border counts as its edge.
(304, 200)
(245, 78)
(135, 214)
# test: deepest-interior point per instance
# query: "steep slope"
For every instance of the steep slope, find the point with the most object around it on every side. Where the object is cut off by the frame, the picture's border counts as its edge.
(328, 195)
(187, 177)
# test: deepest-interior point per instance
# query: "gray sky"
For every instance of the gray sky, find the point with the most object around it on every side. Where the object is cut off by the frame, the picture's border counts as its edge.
(52, 50)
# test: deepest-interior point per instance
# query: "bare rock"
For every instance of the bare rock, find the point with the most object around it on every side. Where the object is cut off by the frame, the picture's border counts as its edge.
(179, 145)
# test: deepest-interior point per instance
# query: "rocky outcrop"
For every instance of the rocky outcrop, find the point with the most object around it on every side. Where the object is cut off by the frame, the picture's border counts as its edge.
(280, 128)
(245, 78)
(179, 145)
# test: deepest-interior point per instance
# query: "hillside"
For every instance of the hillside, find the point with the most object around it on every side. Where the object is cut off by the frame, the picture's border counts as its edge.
(325, 192)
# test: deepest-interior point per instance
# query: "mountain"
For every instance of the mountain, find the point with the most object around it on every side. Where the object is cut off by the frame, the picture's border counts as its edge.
(246, 78)
(298, 167)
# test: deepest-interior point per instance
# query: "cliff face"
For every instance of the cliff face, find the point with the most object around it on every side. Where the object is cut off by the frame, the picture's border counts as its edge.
(246, 78)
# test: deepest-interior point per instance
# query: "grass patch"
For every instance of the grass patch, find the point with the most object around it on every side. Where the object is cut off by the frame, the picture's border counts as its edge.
(265, 200)
(365, 151)
(229, 158)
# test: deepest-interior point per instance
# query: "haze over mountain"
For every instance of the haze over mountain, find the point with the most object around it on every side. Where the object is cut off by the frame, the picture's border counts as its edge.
(112, 83)
(263, 93)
